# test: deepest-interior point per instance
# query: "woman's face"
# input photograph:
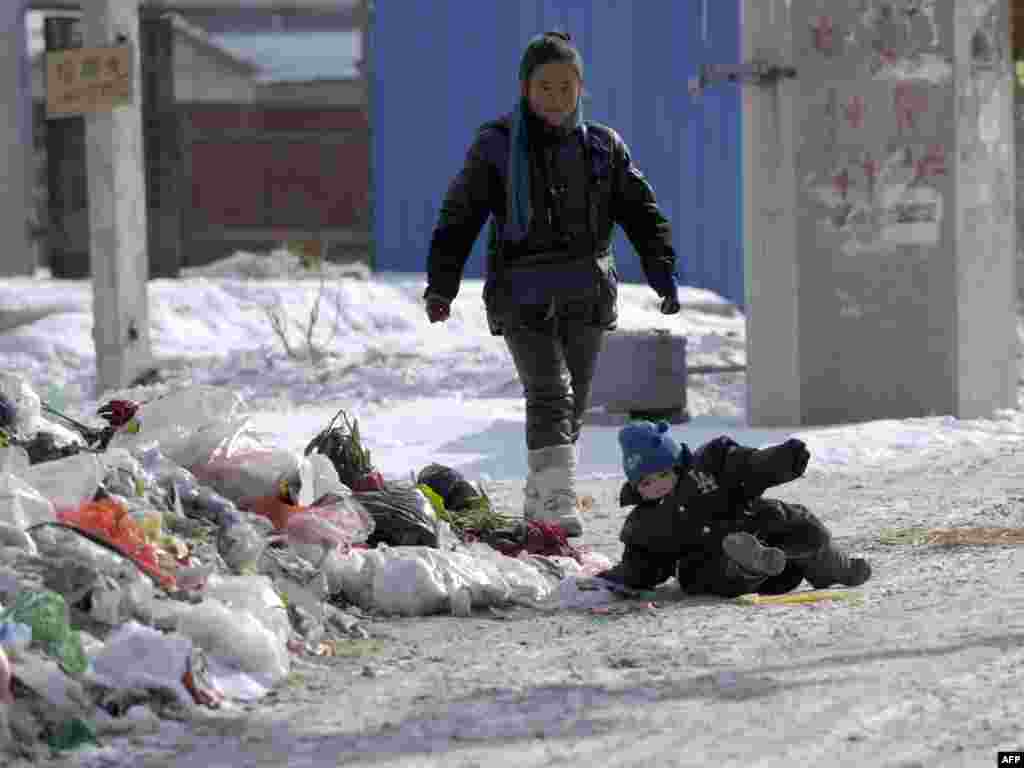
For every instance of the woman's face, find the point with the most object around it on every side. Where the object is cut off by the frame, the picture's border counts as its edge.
(553, 91)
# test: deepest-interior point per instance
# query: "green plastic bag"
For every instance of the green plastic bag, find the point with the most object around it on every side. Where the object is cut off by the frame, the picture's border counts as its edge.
(70, 735)
(46, 613)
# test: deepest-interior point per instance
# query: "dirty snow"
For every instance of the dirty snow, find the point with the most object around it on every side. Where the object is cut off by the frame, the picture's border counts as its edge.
(445, 392)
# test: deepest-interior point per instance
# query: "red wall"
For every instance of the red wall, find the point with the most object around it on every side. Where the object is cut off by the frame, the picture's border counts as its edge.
(269, 166)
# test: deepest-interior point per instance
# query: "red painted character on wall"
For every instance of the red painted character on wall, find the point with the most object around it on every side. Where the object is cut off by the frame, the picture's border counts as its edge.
(823, 29)
(909, 101)
(854, 111)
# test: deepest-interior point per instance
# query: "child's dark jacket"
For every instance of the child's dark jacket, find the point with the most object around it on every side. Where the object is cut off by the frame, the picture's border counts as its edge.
(718, 493)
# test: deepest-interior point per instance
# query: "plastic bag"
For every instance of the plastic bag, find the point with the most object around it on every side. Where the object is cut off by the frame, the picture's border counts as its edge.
(194, 497)
(245, 476)
(255, 594)
(188, 425)
(593, 563)
(6, 698)
(14, 459)
(241, 546)
(335, 522)
(122, 473)
(237, 637)
(419, 581)
(46, 614)
(21, 505)
(406, 584)
(524, 583)
(113, 602)
(324, 477)
(402, 516)
(113, 523)
(67, 482)
(14, 538)
(345, 576)
(135, 656)
(26, 404)
(57, 542)
(15, 638)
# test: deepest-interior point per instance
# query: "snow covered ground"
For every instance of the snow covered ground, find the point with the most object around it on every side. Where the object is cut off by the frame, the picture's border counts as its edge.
(926, 670)
(445, 392)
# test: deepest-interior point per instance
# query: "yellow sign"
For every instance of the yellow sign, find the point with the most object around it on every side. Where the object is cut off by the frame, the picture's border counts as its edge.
(88, 80)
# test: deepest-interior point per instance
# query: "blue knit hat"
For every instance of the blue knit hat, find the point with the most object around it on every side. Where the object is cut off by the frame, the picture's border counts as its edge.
(647, 449)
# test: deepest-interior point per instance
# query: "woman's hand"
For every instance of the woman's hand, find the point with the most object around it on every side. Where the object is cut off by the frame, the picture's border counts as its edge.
(439, 309)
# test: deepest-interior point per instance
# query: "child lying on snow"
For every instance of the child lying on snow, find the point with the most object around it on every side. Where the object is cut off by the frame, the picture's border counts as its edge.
(701, 518)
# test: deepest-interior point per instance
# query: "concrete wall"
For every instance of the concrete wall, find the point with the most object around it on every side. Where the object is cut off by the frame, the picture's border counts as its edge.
(15, 143)
(986, 209)
(1018, 123)
(880, 222)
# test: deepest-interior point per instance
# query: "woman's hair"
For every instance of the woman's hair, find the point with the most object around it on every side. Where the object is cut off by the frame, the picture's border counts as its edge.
(548, 47)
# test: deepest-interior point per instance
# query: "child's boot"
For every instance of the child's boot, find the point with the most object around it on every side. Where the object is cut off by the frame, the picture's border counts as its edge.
(749, 557)
(832, 566)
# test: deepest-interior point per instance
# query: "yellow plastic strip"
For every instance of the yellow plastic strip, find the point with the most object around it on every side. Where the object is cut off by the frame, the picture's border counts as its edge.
(795, 598)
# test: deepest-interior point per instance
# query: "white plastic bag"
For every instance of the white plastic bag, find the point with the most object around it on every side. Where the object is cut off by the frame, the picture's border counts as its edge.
(255, 594)
(188, 425)
(409, 584)
(27, 406)
(419, 581)
(324, 477)
(67, 482)
(21, 505)
(345, 575)
(525, 583)
(14, 459)
(236, 637)
(136, 656)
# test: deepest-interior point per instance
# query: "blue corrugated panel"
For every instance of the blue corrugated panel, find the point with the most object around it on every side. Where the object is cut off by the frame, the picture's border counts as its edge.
(443, 67)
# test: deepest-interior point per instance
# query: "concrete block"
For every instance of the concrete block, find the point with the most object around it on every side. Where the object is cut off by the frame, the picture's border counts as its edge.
(639, 374)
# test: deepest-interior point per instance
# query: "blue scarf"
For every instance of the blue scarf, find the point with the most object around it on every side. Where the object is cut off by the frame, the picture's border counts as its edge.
(519, 208)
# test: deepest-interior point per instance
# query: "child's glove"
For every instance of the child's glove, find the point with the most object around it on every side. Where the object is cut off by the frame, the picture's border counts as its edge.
(799, 456)
(774, 466)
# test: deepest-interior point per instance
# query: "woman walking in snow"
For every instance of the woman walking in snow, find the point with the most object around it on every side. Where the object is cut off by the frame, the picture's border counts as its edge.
(555, 186)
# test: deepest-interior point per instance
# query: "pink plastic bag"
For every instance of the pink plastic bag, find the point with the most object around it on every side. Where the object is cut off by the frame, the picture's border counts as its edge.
(334, 521)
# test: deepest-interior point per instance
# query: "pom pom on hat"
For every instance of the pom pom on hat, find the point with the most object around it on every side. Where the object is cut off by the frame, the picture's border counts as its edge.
(647, 448)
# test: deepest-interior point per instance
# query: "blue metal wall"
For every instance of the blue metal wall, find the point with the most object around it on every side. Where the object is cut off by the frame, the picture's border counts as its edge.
(444, 67)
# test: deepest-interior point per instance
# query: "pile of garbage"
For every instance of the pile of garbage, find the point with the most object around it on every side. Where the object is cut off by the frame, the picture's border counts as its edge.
(173, 559)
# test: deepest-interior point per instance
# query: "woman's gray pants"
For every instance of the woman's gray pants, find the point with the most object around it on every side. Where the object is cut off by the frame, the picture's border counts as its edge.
(555, 355)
